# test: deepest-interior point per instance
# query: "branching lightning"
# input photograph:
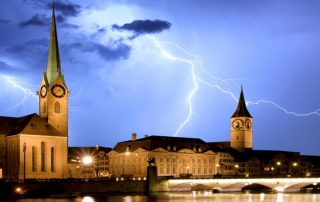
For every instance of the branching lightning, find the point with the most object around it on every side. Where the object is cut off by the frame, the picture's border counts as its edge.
(195, 62)
(27, 93)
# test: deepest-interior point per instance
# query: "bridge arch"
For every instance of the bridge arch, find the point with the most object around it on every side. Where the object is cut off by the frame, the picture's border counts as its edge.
(257, 187)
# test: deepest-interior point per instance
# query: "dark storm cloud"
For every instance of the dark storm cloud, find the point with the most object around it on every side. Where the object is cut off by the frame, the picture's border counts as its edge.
(36, 20)
(139, 27)
(66, 8)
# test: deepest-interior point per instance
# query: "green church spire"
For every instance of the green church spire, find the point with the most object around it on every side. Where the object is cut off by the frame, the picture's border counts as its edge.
(53, 66)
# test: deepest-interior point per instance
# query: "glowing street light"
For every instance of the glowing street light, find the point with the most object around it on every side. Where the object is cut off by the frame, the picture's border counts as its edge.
(279, 163)
(87, 160)
(295, 164)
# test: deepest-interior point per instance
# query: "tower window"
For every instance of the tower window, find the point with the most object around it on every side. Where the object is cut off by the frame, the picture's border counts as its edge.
(52, 159)
(57, 107)
(43, 157)
(34, 159)
(44, 107)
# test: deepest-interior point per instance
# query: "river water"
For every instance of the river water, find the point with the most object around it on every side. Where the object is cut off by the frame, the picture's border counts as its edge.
(202, 196)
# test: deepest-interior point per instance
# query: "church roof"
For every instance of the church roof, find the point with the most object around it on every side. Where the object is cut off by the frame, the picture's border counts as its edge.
(241, 110)
(31, 124)
(53, 67)
(166, 142)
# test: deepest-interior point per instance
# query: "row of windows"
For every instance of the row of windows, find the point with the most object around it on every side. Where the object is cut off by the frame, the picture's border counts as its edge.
(185, 160)
(56, 107)
(203, 171)
(42, 158)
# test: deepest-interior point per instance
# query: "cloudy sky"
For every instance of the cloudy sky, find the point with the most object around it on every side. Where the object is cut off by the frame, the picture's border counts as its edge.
(149, 66)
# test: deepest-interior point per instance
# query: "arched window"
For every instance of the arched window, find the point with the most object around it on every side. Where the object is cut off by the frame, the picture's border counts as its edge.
(57, 107)
(52, 159)
(44, 107)
(43, 156)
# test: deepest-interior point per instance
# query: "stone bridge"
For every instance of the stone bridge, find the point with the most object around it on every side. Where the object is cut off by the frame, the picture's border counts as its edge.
(239, 184)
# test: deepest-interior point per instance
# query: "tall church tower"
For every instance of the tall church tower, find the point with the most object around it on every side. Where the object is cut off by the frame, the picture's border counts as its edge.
(53, 92)
(241, 126)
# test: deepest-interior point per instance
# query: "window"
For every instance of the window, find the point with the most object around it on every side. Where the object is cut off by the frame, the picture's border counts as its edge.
(52, 159)
(173, 170)
(43, 157)
(57, 107)
(161, 170)
(44, 107)
(34, 159)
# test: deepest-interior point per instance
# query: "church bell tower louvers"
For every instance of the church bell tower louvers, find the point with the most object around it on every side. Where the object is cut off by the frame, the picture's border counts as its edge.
(241, 126)
(53, 91)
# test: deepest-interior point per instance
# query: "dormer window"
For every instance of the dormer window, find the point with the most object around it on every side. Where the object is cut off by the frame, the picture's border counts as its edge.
(168, 147)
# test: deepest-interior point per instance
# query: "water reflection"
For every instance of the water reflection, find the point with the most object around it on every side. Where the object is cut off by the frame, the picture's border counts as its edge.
(280, 197)
(194, 196)
(88, 199)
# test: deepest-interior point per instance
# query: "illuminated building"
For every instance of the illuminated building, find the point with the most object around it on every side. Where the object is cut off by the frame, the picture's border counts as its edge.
(192, 157)
(35, 146)
(174, 156)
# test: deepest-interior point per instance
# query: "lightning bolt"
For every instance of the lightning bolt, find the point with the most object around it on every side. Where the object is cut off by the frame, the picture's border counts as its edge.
(195, 62)
(27, 93)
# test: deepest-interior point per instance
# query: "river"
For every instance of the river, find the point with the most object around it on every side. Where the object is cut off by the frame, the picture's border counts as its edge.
(202, 196)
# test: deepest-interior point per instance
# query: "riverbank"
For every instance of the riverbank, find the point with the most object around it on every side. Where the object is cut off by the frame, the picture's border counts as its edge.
(65, 189)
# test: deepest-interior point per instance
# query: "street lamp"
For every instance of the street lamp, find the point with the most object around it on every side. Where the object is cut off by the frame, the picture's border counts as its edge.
(87, 160)
(24, 161)
(236, 167)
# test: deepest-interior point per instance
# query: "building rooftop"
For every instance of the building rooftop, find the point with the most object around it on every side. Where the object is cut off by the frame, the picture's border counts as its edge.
(29, 124)
(166, 142)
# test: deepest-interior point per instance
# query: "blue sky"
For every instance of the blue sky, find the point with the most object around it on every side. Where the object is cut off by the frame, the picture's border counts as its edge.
(132, 66)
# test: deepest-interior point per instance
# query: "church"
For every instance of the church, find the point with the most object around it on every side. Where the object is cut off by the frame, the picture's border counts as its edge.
(36, 145)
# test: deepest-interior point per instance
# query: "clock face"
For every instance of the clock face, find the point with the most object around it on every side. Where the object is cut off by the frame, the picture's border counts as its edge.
(248, 124)
(43, 91)
(58, 91)
(238, 124)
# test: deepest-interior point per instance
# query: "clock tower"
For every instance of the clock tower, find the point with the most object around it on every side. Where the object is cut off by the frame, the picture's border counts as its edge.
(53, 92)
(241, 126)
